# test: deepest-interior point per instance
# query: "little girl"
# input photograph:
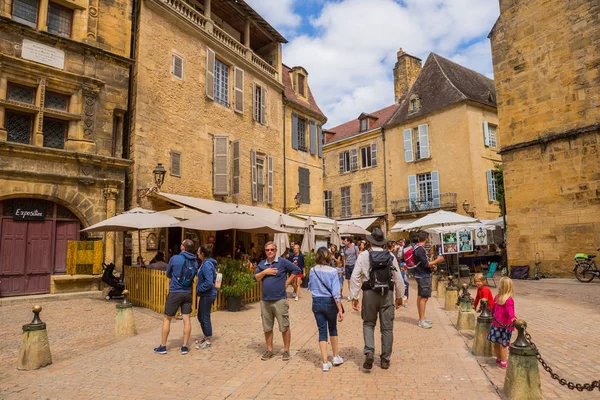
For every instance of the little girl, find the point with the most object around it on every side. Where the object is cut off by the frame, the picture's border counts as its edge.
(483, 292)
(504, 312)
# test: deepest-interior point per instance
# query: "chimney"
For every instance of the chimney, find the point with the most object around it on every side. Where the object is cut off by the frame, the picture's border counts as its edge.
(406, 71)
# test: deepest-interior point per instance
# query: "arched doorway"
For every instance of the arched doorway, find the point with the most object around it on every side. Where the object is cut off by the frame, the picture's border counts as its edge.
(33, 244)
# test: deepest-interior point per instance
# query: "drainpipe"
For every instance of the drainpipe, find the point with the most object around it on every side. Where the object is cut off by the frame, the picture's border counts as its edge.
(284, 159)
(385, 181)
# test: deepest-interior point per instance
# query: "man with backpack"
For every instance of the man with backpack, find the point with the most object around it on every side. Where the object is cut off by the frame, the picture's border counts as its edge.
(181, 270)
(377, 274)
(423, 269)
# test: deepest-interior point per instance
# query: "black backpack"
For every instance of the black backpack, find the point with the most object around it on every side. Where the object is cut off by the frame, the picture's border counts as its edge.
(380, 272)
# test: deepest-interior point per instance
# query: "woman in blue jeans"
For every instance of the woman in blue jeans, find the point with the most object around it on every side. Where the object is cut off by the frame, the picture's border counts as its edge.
(325, 286)
(207, 292)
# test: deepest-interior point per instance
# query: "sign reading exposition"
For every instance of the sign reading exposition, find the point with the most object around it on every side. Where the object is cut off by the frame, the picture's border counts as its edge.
(43, 54)
(29, 212)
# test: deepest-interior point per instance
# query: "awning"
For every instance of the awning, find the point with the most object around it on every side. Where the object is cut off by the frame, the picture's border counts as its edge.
(315, 218)
(364, 223)
(402, 223)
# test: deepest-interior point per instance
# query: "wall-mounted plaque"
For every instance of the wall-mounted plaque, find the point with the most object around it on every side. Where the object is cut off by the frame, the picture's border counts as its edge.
(43, 54)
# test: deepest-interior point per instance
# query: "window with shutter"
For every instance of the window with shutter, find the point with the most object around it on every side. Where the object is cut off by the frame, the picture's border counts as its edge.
(365, 157)
(175, 163)
(259, 104)
(354, 159)
(435, 188)
(374, 154)
(270, 180)
(492, 186)
(221, 166)
(238, 96)
(294, 131)
(408, 146)
(313, 137)
(210, 73)
(177, 68)
(366, 198)
(221, 78)
(423, 141)
(304, 184)
(320, 139)
(263, 106)
(260, 179)
(345, 208)
(412, 192)
(253, 173)
(301, 129)
(236, 167)
(344, 160)
(493, 136)
(328, 203)
(486, 134)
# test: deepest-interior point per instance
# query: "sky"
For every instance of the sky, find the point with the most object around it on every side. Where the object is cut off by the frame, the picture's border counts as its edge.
(349, 47)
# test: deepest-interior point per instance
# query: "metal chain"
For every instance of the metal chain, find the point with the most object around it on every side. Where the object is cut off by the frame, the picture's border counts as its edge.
(509, 326)
(555, 376)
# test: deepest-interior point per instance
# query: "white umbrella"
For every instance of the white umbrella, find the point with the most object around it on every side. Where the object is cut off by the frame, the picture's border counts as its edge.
(282, 240)
(335, 237)
(225, 220)
(308, 241)
(183, 213)
(439, 218)
(352, 229)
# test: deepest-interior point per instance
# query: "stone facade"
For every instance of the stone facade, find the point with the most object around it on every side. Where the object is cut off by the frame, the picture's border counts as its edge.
(547, 79)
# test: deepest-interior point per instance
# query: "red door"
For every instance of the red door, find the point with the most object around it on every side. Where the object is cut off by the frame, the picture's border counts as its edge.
(13, 251)
(39, 257)
(65, 231)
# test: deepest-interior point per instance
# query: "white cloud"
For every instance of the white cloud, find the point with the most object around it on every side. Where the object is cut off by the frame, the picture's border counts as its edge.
(278, 13)
(351, 56)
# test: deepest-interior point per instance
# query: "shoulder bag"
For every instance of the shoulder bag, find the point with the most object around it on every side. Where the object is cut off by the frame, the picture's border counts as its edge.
(329, 290)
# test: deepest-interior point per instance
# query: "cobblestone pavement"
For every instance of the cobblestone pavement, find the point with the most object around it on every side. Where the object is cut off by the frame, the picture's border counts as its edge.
(89, 363)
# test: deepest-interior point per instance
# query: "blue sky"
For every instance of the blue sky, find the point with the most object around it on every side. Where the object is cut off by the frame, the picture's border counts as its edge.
(349, 47)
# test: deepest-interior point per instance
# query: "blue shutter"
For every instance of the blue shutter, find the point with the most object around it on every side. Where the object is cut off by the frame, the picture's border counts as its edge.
(294, 131)
(435, 188)
(313, 138)
(424, 141)
(408, 146)
(490, 182)
(412, 191)
(486, 133)
(320, 140)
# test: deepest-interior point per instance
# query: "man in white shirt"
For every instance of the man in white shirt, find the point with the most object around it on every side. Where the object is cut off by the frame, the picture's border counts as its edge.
(377, 302)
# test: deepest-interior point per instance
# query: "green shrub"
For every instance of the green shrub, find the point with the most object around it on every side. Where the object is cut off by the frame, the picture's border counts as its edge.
(236, 279)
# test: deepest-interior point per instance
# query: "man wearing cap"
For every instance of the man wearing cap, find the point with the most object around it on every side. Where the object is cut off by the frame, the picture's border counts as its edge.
(376, 303)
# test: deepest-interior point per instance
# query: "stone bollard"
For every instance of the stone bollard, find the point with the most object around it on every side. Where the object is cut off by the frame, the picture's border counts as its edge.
(35, 348)
(466, 314)
(522, 380)
(434, 282)
(451, 295)
(125, 325)
(481, 346)
(441, 287)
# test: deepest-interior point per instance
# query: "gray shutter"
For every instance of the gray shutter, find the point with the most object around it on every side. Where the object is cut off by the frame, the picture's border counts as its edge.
(353, 159)
(313, 137)
(408, 146)
(236, 167)
(341, 162)
(320, 140)
(363, 198)
(255, 105)
(486, 133)
(210, 73)
(374, 154)
(177, 66)
(263, 105)
(253, 166)
(370, 198)
(221, 166)
(238, 92)
(435, 188)
(348, 202)
(490, 182)
(294, 131)
(307, 186)
(412, 191)
(175, 163)
(269, 179)
(424, 140)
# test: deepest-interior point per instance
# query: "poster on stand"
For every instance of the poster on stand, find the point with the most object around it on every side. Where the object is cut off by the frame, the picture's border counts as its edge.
(449, 243)
(481, 237)
(465, 241)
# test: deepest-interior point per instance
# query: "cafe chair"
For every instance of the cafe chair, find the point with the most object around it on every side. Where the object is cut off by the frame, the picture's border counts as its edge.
(490, 273)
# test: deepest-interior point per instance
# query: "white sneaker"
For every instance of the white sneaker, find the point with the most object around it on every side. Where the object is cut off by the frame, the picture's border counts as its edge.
(337, 361)
(430, 322)
(327, 367)
(425, 325)
(296, 298)
(349, 298)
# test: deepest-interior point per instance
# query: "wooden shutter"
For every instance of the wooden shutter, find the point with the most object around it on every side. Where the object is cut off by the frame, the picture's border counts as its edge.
(486, 133)
(238, 92)
(236, 167)
(177, 66)
(255, 105)
(374, 154)
(435, 188)
(320, 140)
(424, 140)
(304, 184)
(254, 177)
(341, 162)
(412, 191)
(270, 179)
(175, 163)
(370, 198)
(408, 146)
(221, 166)
(363, 198)
(294, 131)
(313, 137)
(354, 159)
(490, 182)
(263, 105)
(210, 73)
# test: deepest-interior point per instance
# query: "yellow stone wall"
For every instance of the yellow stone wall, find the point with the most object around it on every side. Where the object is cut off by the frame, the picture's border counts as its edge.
(546, 58)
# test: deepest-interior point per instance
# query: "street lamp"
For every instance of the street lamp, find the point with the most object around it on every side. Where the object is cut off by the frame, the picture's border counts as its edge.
(298, 199)
(467, 206)
(159, 178)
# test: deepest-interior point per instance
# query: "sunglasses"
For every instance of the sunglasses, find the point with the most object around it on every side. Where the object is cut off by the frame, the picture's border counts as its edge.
(269, 249)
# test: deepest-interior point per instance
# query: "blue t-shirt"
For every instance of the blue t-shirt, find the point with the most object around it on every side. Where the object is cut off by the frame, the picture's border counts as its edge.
(298, 260)
(273, 286)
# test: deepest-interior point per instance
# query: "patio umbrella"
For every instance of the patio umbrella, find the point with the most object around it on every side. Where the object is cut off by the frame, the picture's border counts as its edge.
(352, 229)
(439, 218)
(183, 213)
(308, 241)
(335, 237)
(225, 220)
(282, 240)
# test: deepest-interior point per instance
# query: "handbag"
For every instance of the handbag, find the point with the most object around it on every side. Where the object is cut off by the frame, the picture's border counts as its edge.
(329, 290)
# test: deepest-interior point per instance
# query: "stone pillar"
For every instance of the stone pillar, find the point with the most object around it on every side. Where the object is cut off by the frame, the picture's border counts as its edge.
(38, 130)
(125, 324)
(3, 90)
(35, 348)
(466, 314)
(207, 9)
(247, 32)
(43, 16)
(451, 303)
(111, 195)
(481, 346)
(441, 287)
(434, 282)
(522, 379)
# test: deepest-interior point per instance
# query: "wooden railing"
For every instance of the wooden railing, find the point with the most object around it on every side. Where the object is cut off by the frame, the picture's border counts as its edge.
(149, 288)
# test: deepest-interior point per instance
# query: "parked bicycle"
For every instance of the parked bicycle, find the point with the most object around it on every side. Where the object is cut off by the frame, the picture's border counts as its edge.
(585, 267)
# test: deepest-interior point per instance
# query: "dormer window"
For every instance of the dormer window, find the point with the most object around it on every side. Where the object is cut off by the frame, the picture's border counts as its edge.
(364, 124)
(414, 104)
(301, 82)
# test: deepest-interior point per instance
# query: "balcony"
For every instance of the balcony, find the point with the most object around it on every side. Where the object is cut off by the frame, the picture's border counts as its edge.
(256, 45)
(416, 207)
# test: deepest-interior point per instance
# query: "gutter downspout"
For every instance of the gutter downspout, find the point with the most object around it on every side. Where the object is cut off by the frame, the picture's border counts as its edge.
(385, 182)
(284, 159)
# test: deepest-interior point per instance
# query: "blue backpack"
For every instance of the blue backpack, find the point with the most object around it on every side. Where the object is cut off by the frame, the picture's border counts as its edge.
(188, 272)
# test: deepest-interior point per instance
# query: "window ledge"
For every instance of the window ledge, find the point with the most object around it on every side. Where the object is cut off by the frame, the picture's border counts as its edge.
(422, 159)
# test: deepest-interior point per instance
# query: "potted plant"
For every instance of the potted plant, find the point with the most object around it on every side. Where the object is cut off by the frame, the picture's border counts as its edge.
(234, 290)
(310, 260)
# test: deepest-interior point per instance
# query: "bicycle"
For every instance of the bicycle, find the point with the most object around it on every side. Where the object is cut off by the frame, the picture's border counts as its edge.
(585, 269)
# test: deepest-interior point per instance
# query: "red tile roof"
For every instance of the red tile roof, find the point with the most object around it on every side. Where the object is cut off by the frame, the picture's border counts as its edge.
(290, 95)
(352, 128)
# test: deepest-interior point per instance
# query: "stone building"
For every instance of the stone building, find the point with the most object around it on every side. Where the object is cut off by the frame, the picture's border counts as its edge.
(546, 57)
(64, 76)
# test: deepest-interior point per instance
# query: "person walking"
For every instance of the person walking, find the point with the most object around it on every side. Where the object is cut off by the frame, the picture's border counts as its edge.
(423, 270)
(350, 254)
(327, 308)
(377, 273)
(297, 258)
(274, 304)
(181, 270)
(206, 291)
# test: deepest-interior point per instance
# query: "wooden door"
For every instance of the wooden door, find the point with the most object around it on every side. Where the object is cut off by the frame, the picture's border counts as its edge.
(13, 251)
(39, 263)
(65, 231)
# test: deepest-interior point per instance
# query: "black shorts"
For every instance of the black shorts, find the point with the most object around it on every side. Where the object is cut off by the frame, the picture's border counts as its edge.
(424, 286)
(178, 300)
(348, 271)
